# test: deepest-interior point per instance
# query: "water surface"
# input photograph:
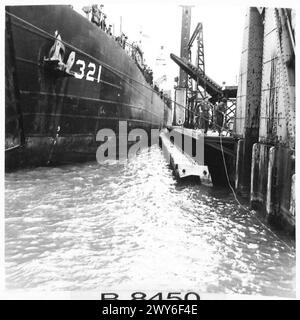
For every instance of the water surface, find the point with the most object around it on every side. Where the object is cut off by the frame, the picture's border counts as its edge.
(130, 224)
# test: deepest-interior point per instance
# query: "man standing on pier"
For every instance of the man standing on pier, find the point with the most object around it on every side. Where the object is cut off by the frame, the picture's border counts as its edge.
(219, 114)
(205, 108)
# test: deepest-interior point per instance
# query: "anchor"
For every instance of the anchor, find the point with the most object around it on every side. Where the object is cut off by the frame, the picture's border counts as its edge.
(56, 57)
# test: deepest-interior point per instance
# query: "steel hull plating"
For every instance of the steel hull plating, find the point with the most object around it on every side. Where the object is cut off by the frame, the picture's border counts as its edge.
(52, 117)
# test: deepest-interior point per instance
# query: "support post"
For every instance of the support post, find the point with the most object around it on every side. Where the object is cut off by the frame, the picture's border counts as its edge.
(249, 93)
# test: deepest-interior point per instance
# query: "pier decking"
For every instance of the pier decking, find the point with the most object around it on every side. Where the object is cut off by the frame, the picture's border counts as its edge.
(211, 146)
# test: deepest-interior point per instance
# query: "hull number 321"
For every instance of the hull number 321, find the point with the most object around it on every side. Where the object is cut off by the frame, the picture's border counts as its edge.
(90, 71)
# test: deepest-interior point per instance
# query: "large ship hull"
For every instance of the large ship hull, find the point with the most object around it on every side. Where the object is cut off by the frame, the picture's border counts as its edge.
(54, 116)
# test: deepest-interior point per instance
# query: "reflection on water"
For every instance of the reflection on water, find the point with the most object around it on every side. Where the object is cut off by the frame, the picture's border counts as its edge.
(131, 225)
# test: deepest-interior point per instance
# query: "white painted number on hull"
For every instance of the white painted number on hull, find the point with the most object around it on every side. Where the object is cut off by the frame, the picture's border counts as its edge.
(90, 73)
(99, 73)
(80, 75)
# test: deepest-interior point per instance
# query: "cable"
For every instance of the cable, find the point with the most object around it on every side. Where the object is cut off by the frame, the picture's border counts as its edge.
(107, 66)
(243, 207)
(118, 72)
(112, 69)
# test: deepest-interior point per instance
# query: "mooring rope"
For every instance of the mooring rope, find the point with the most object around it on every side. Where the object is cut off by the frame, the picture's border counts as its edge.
(246, 209)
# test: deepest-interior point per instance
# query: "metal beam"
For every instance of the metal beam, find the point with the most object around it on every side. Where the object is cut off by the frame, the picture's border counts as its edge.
(212, 87)
(194, 35)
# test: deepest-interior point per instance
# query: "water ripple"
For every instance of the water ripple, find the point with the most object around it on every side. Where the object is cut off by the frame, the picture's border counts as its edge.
(129, 223)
